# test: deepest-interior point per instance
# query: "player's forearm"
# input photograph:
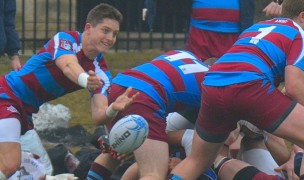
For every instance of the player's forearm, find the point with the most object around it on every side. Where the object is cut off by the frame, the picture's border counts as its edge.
(102, 113)
(99, 105)
(71, 69)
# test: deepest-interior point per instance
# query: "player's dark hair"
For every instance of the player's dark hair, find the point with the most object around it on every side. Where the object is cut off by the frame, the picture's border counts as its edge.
(101, 12)
(292, 8)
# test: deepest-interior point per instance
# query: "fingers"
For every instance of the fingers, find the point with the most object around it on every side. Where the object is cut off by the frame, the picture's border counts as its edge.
(125, 157)
(273, 9)
(94, 81)
(128, 91)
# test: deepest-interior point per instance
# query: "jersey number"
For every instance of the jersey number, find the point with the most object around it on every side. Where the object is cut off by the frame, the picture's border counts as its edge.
(188, 68)
(263, 33)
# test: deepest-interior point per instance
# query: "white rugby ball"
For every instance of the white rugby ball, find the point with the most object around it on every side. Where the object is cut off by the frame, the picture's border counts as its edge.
(128, 133)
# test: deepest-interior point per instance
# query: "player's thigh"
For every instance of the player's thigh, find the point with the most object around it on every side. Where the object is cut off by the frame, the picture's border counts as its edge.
(261, 159)
(292, 126)
(152, 158)
(131, 173)
(10, 148)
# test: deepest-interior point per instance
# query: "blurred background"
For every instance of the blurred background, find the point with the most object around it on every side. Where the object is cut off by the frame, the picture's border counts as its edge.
(38, 20)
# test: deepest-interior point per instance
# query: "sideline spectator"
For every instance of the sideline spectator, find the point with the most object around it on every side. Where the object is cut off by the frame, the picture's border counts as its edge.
(151, 6)
(216, 21)
(9, 39)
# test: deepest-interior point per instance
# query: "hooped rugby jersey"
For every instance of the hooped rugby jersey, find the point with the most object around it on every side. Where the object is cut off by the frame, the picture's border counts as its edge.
(261, 53)
(216, 15)
(40, 80)
(172, 80)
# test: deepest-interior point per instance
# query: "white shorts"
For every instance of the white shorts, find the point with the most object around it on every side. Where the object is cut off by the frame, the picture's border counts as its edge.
(175, 122)
(10, 130)
(261, 159)
(187, 140)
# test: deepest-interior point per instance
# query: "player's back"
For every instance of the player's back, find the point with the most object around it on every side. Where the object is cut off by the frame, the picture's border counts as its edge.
(262, 52)
(172, 79)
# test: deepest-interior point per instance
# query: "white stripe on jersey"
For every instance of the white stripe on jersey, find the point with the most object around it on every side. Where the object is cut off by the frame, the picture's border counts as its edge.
(103, 76)
(56, 45)
(302, 34)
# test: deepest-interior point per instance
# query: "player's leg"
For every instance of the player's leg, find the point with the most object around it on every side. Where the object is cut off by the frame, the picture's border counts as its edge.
(131, 173)
(10, 148)
(202, 155)
(255, 153)
(175, 122)
(102, 167)
(235, 169)
(152, 158)
(292, 127)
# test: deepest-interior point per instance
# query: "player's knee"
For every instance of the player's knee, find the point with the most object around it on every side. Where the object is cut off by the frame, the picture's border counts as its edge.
(2, 176)
(8, 169)
(10, 166)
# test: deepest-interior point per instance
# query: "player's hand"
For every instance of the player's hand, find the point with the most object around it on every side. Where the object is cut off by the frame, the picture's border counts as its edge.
(15, 62)
(233, 136)
(94, 81)
(124, 101)
(173, 161)
(288, 168)
(105, 146)
(125, 157)
(273, 9)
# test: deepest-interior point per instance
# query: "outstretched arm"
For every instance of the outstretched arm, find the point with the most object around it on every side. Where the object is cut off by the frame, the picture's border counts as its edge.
(102, 113)
(72, 69)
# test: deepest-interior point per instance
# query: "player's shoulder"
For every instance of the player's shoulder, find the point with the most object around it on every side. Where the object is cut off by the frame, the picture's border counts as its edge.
(72, 36)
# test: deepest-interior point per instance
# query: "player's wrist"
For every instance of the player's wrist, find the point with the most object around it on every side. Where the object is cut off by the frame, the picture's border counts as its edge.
(14, 55)
(110, 112)
(83, 79)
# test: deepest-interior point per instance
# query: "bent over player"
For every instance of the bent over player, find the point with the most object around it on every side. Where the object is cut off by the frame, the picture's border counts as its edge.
(242, 84)
(168, 83)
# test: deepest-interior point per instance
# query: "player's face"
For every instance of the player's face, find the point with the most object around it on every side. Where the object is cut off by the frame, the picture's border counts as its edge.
(103, 36)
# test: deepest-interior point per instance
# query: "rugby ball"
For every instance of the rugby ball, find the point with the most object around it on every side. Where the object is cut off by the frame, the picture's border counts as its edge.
(128, 133)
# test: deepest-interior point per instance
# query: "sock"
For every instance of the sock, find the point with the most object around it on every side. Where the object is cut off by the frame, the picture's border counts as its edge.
(98, 172)
(2, 176)
(174, 177)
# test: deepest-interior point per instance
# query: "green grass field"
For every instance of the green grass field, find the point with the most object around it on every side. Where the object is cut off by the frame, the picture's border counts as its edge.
(79, 102)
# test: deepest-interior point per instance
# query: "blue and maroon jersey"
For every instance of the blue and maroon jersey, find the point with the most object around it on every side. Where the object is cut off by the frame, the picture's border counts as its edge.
(40, 80)
(261, 53)
(216, 15)
(172, 80)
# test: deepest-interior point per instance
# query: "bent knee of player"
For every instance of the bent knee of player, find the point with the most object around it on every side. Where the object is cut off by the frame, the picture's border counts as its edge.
(10, 158)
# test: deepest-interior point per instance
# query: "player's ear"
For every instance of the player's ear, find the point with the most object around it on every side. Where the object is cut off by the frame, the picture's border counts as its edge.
(87, 27)
(302, 17)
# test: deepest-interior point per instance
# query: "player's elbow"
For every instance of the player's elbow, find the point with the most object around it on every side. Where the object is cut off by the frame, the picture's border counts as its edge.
(292, 90)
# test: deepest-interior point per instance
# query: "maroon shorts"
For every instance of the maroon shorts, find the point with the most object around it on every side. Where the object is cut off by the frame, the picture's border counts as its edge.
(264, 176)
(144, 106)
(12, 107)
(223, 107)
(208, 44)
